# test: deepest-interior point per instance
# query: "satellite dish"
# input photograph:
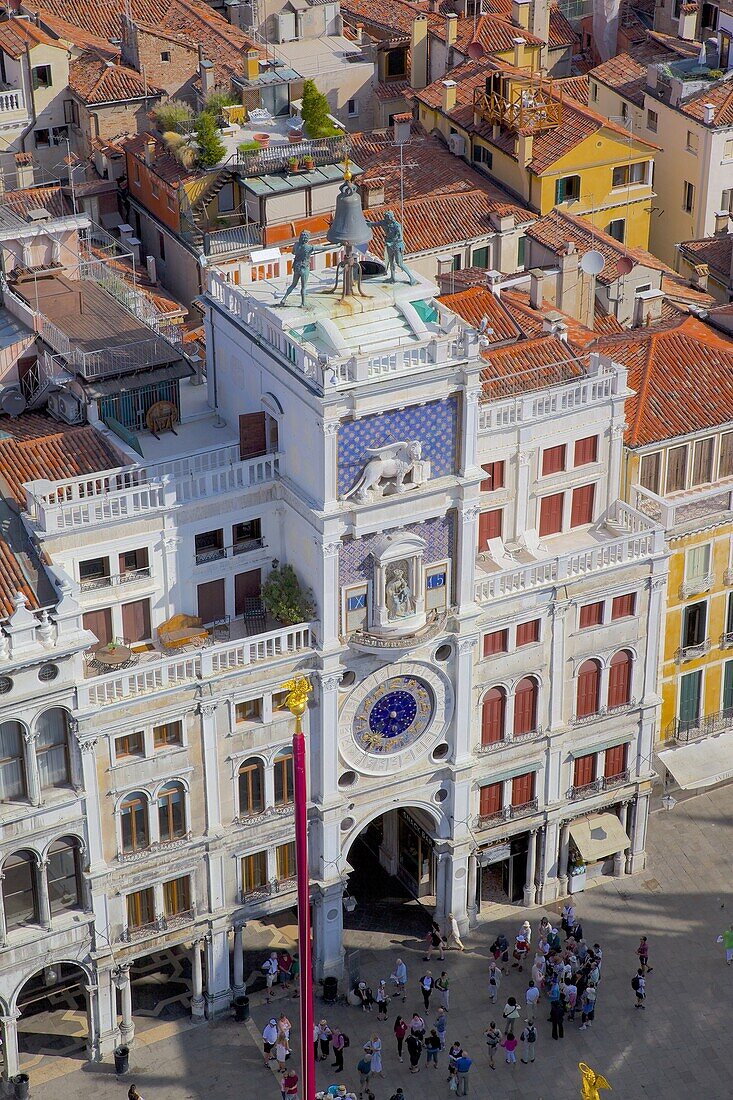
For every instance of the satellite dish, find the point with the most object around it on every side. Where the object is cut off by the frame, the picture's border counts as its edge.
(475, 50)
(592, 263)
(12, 402)
(625, 265)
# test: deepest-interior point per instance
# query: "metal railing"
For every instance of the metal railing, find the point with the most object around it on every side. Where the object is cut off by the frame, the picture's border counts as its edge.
(233, 239)
(90, 584)
(697, 585)
(270, 889)
(692, 652)
(161, 924)
(216, 553)
(276, 158)
(602, 783)
(603, 712)
(508, 739)
(507, 813)
(694, 729)
(726, 640)
(268, 814)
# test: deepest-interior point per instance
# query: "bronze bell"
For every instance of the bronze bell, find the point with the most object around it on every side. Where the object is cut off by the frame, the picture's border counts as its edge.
(349, 226)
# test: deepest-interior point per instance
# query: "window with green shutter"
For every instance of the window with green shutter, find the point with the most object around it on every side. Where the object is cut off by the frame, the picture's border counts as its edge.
(728, 686)
(690, 688)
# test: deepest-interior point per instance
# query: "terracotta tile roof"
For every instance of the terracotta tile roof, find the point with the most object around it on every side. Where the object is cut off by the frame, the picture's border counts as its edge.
(682, 375)
(25, 199)
(388, 15)
(531, 365)
(575, 87)
(716, 252)
(13, 579)
(495, 34)
(721, 97)
(475, 303)
(626, 72)
(391, 89)
(164, 165)
(686, 297)
(94, 80)
(435, 221)
(17, 34)
(516, 302)
(77, 36)
(34, 446)
(561, 34)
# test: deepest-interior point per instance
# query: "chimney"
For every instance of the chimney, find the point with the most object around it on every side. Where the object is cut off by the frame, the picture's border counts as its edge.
(525, 145)
(708, 113)
(401, 125)
(722, 217)
(449, 96)
(149, 151)
(206, 75)
(372, 193)
(647, 307)
(451, 30)
(536, 278)
(520, 13)
(686, 25)
(252, 64)
(359, 36)
(419, 52)
(570, 286)
(493, 282)
(561, 331)
(24, 171)
(700, 276)
(152, 274)
(539, 22)
(518, 52)
(550, 323)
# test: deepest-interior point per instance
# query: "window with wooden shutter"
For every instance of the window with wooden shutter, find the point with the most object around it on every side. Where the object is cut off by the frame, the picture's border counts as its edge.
(615, 762)
(100, 624)
(581, 511)
(586, 450)
(211, 600)
(523, 789)
(584, 770)
(690, 692)
(728, 687)
(651, 467)
(619, 679)
(589, 682)
(551, 508)
(494, 477)
(623, 606)
(694, 623)
(491, 799)
(553, 460)
(591, 614)
(725, 462)
(252, 435)
(490, 526)
(136, 621)
(676, 469)
(525, 706)
(702, 462)
(496, 642)
(527, 633)
(493, 712)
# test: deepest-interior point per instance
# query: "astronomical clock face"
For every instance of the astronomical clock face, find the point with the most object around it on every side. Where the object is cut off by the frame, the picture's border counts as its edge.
(393, 715)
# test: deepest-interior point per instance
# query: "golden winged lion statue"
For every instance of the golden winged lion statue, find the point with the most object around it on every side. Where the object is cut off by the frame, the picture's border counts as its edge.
(592, 1082)
(298, 690)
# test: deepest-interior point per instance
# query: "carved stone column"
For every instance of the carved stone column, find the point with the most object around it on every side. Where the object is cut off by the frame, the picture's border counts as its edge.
(197, 981)
(238, 961)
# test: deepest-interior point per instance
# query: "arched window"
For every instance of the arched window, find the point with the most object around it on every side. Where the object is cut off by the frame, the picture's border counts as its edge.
(251, 788)
(493, 714)
(135, 829)
(619, 679)
(12, 769)
(284, 778)
(525, 706)
(52, 749)
(172, 812)
(20, 893)
(64, 875)
(589, 685)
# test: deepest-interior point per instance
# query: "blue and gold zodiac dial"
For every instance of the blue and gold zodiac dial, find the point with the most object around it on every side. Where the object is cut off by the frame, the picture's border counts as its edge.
(393, 715)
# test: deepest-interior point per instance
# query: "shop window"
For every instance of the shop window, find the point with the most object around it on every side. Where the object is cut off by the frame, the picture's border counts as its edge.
(619, 679)
(615, 761)
(494, 477)
(581, 511)
(493, 714)
(172, 812)
(491, 799)
(523, 789)
(676, 469)
(651, 466)
(584, 770)
(702, 462)
(527, 633)
(12, 764)
(588, 690)
(436, 588)
(496, 642)
(694, 623)
(623, 607)
(251, 788)
(553, 460)
(490, 526)
(283, 767)
(525, 706)
(551, 509)
(585, 451)
(141, 908)
(129, 744)
(250, 710)
(168, 735)
(285, 861)
(134, 823)
(64, 876)
(591, 614)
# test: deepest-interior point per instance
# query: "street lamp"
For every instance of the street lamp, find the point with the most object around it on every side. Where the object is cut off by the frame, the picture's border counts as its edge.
(669, 801)
(296, 701)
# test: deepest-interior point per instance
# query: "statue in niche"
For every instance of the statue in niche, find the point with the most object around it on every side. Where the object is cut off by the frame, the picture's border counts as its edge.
(397, 592)
(388, 469)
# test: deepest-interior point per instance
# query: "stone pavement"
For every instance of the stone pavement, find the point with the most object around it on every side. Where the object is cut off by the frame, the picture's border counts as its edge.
(680, 1043)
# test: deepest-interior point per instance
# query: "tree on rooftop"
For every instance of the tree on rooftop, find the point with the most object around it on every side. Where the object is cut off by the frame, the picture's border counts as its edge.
(173, 114)
(316, 113)
(211, 148)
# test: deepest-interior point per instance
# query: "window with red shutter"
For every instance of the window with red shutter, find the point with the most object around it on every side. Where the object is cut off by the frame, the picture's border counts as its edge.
(490, 526)
(623, 606)
(589, 682)
(581, 511)
(584, 770)
(494, 477)
(619, 679)
(615, 762)
(522, 789)
(586, 450)
(493, 711)
(525, 706)
(496, 642)
(591, 614)
(491, 799)
(252, 435)
(553, 460)
(551, 509)
(528, 632)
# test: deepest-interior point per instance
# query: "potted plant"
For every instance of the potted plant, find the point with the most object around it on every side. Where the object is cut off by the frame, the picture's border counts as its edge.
(263, 140)
(293, 164)
(295, 136)
(309, 163)
(284, 597)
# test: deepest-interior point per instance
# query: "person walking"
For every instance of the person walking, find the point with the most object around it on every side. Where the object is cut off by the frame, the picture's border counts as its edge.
(463, 1065)
(364, 994)
(324, 1040)
(270, 968)
(529, 1038)
(289, 1085)
(382, 1000)
(400, 1030)
(426, 987)
(432, 1046)
(414, 1050)
(441, 1026)
(375, 1044)
(285, 969)
(557, 1016)
(638, 984)
(270, 1033)
(133, 1094)
(417, 1026)
(726, 938)
(364, 1067)
(588, 1007)
(434, 940)
(643, 952)
(338, 1042)
(454, 934)
(494, 980)
(509, 1042)
(400, 979)
(442, 984)
(493, 1038)
(511, 1015)
(531, 997)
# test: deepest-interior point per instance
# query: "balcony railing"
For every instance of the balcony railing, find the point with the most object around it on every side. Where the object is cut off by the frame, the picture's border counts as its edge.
(694, 729)
(268, 814)
(155, 848)
(692, 652)
(12, 101)
(508, 813)
(156, 927)
(602, 783)
(685, 507)
(90, 584)
(217, 553)
(508, 739)
(277, 158)
(697, 585)
(268, 890)
(603, 712)
(726, 640)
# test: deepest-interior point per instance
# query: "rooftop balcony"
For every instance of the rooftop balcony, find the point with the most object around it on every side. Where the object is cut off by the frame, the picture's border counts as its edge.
(687, 508)
(620, 537)
(13, 107)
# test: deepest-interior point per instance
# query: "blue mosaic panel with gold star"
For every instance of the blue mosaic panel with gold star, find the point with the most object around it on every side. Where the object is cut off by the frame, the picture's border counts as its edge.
(434, 424)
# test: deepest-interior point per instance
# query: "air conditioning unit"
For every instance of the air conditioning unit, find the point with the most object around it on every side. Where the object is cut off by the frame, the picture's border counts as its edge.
(65, 406)
(457, 144)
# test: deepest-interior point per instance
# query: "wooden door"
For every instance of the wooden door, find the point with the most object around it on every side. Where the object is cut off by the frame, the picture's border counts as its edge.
(211, 601)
